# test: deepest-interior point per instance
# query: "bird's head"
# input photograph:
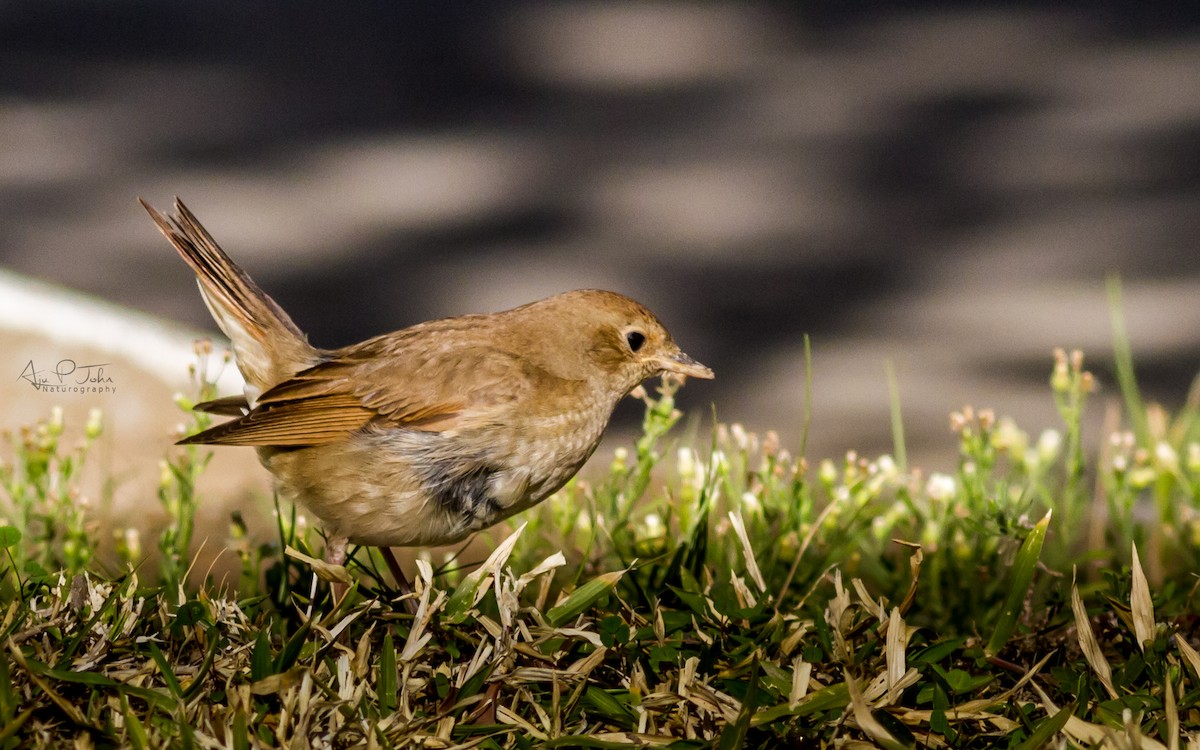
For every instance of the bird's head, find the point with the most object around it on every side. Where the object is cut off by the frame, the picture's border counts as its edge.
(609, 338)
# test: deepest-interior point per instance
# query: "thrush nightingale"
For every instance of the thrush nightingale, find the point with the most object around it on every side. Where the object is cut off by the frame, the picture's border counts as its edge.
(430, 433)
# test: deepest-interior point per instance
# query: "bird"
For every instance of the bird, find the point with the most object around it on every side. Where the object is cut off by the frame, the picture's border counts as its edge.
(426, 435)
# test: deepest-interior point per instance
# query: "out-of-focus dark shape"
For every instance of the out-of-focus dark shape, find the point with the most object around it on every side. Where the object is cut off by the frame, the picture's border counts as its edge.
(941, 185)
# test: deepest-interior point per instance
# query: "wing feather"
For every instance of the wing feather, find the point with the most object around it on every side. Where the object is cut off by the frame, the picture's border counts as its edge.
(380, 382)
(312, 421)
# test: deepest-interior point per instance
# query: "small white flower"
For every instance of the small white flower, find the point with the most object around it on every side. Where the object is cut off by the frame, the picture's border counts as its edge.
(654, 524)
(1048, 445)
(885, 466)
(620, 459)
(941, 487)
(1166, 457)
(686, 462)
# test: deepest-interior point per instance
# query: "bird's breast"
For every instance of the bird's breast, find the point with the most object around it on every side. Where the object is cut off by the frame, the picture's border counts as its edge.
(401, 487)
(554, 446)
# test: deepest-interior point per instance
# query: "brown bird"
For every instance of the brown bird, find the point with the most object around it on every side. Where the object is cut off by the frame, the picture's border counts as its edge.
(428, 434)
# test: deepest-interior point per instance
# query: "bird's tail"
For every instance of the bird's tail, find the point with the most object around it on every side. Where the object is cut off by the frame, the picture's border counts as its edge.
(268, 345)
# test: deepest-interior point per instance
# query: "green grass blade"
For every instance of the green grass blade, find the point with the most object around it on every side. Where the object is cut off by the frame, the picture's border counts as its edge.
(898, 448)
(387, 677)
(1047, 729)
(734, 736)
(136, 733)
(197, 684)
(9, 700)
(9, 730)
(261, 666)
(808, 395)
(241, 733)
(1022, 575)
(291, 650)
(164, 668)
(833, 698)
(609, 707)
(582, 598)
(1123, 361)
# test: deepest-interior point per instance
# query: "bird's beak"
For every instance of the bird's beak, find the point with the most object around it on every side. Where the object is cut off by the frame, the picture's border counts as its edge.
(682, 364)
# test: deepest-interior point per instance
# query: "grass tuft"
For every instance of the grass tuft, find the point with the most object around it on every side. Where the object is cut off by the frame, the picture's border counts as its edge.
(714, 592)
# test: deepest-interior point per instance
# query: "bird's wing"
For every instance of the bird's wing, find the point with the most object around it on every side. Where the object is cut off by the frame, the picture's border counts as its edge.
(430, 388)
(226, 406)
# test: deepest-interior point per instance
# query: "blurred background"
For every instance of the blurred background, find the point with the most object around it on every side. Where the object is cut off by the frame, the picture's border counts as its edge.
(944, 186)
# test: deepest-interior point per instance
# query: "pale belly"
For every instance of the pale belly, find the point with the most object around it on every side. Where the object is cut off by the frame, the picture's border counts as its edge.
(401, 488)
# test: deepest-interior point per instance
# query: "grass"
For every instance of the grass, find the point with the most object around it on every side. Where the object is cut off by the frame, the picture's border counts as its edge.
(706, 592)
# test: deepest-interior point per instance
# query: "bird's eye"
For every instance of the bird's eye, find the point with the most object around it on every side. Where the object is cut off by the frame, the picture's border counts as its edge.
(635, 339)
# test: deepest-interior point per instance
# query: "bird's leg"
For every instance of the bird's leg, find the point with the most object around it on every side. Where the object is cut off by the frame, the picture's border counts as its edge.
(335, 554)
(402, 583)
(394, 566)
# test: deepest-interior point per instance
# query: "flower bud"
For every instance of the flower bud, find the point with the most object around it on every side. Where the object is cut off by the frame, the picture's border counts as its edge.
(827, 473)
(1060, 378)
(621, 459)
(95, 424)
(55, 425)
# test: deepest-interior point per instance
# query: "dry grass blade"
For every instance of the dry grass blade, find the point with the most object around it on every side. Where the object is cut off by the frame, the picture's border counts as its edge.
(326, 571)
(1079, 730)
(472, 589)
(894, 655)
(675, 648)
(1189, 655)
(866, 721)
(739, 528)
(1172, 715)
(551, 563)
(801, 679)
(1088, 644)
(1140, 604)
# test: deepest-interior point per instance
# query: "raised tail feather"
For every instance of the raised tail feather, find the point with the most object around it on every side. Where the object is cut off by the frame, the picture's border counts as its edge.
(269, 346)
